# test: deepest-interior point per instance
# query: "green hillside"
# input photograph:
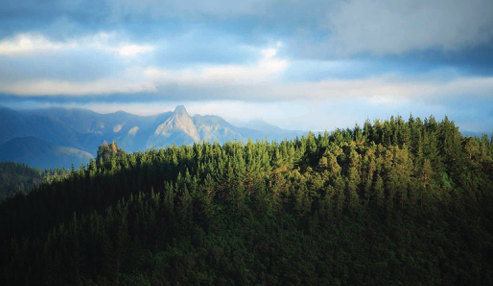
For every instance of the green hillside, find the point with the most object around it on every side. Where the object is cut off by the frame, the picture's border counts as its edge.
(15, 177)
(392, 203)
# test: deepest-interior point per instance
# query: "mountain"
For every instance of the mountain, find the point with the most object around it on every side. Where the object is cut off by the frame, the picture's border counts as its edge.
(473, 133)
(214, 128)
(265, 127)
(14, 124)
(133, 132)
(93, 128)
(39, 153)
(177, 128)
(85, 130)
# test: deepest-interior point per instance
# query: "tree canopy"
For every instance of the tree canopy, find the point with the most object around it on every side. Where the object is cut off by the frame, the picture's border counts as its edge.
(395, 202)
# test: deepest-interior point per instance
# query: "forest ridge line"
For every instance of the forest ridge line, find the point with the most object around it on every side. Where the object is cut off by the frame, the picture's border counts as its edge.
(391, 201)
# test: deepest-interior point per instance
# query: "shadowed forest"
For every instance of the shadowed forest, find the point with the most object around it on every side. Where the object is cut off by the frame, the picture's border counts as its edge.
(391, 203)
(19, 177)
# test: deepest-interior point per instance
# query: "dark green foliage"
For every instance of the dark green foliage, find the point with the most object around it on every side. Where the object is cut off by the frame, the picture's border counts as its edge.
(109, 153)
(16, 177)
(393, 203)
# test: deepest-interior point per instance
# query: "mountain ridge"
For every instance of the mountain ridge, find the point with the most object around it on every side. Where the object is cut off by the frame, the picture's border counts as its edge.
(85, 130)
(39, 153)
(178, 126)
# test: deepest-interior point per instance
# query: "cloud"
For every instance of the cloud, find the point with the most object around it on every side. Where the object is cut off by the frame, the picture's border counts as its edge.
(131, 81)
(101, 87)
(259, 81)
(133, 50)
(395, 27)
(35, 43)
(339, 60)
(103, 54)
(80, 65)
(190, 8)
(136, 80)
(200, 45)
(266, 68)
(27, 44)
(311, 28)
(256, 82)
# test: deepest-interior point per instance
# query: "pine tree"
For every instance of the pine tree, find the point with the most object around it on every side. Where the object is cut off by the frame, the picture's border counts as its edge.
(339, 187)
(379, 191)
(352, 189)
(185, 208)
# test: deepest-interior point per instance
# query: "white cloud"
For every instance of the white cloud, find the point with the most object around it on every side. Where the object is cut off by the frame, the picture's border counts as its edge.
(133, 50)
(264, 71)
(33, 43)
(135, 80)
(255, 84)
(49, 87)
(129, 81)
(393, 27)
(259, 81)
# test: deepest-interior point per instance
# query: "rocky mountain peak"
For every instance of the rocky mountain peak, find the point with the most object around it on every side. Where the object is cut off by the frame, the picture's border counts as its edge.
(180, 110)
(179, 121)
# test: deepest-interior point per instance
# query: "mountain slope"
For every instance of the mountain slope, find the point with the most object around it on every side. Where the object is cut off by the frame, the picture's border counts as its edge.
(14, 124)
(265, 127)
(177, 128)
(214, 128)
(39, 153)
(272, 131)
(85, 129)
(93, 128)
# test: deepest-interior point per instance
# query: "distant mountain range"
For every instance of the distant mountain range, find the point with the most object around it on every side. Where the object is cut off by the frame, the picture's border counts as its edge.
(39, 153)
(59, 137)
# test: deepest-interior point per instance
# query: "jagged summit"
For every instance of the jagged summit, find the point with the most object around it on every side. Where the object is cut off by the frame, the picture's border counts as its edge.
(178, 127)
(85, 129)
(180, 109)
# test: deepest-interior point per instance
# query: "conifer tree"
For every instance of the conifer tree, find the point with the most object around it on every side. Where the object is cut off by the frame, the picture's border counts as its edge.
(379, 191)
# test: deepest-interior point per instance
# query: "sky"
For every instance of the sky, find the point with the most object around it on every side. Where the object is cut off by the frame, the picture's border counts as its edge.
(299, 64)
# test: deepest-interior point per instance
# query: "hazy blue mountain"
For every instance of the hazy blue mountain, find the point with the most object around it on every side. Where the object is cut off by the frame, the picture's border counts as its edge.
(14, 124)
(473, 133)
(259, 124)
(178, 127)
(272, 131)
(214, 128)
(85, 130)
(78, 119)
(39, 153)
(93, 128)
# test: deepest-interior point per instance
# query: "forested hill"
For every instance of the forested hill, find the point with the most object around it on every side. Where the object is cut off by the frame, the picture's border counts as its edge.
(395, 202)
(15, 177)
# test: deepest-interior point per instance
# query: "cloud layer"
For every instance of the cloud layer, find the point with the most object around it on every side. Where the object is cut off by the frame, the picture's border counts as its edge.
(374, 54)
